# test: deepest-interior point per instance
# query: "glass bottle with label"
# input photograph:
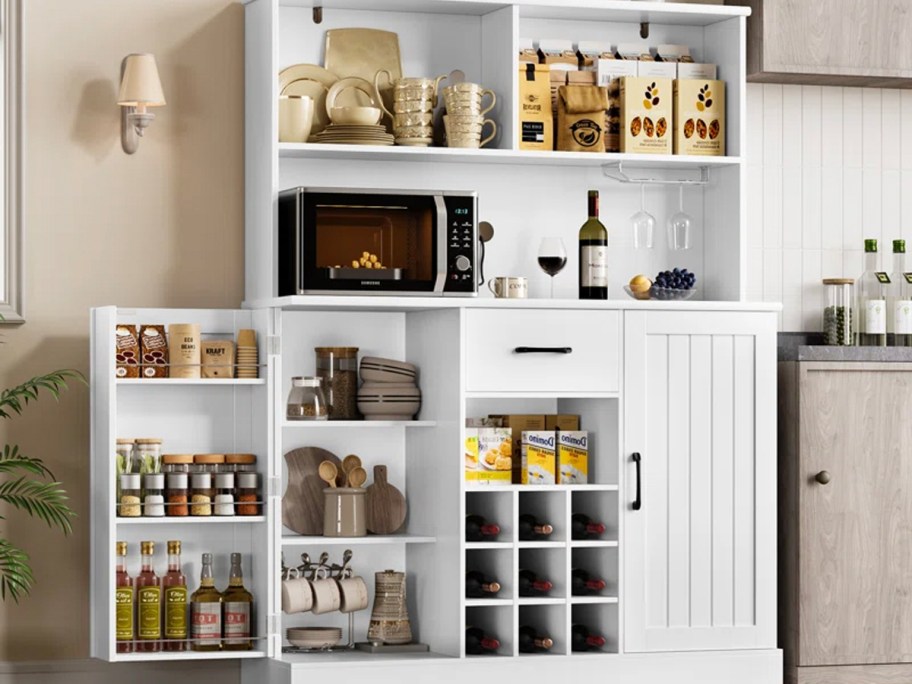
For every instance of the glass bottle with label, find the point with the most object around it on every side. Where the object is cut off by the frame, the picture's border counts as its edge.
(206, 611)
(872, 301)
(175, 593)
(900, 304)
(123, 600)
(238, 604)
(593, 254)
(148, 602)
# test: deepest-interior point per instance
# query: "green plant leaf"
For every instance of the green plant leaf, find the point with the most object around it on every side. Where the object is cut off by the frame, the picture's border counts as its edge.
(16, 577)
(45, 500)
(15, 399)
(11, 459)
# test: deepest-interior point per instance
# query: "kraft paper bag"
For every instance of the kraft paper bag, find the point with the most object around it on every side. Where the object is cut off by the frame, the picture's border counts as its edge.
(581, 118)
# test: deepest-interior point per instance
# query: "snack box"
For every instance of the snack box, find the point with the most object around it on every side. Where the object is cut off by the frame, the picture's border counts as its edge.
(489, 456)
(517, 424)
(699, 117)
(646, 115)
(572, 457)
(562, 421)
(539, 457)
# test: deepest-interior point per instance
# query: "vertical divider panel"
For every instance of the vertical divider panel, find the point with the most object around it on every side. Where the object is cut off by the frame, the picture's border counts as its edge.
(514, 609)
(499, 62)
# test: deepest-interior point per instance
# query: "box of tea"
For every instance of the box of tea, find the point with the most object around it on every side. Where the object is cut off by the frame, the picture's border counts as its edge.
(699, 117)
(646, 115)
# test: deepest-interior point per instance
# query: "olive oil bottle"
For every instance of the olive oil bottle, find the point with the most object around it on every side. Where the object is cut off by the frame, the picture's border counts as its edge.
(174, 585)
(124, 601)
(206, 611)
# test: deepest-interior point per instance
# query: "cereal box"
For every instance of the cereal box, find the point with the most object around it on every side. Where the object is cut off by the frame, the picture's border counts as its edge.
(572, 457)
(699, 117)
(646, 115)
(538, 457)
(489, 456)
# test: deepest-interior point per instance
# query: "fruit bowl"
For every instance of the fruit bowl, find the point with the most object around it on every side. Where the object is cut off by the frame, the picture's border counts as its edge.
(662, 293)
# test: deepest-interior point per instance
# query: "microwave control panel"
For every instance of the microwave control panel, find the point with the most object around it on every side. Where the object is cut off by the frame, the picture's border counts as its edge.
(461, 243)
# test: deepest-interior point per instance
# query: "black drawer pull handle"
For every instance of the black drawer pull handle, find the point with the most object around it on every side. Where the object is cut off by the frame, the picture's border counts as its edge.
(543, 350)
(638, 501)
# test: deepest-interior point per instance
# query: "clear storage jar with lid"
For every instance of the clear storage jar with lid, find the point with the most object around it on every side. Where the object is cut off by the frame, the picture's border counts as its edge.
(247, 494)
(129, 502)
(338, 366)
(123, 460)
(240, 463)
(178, 495)
(306, 400)
(208, 463)
(147, 456)
(201, 494)
(177, 463)
(838, 324)
(154, 495)
(224, 494)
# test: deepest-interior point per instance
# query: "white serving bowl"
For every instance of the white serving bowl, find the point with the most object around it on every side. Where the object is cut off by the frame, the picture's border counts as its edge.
(355, 116)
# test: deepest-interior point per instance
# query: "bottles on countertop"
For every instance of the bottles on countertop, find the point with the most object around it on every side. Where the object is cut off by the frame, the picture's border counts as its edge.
(478, 585)
(532, 529)
(593, 254)
(478, 529)
(477, 642)
(583, 527)
(899, 307)
(871, 307)
(530, 584)
(531, 641)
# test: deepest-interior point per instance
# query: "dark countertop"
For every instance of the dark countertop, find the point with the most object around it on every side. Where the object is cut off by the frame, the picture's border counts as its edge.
(810, 347)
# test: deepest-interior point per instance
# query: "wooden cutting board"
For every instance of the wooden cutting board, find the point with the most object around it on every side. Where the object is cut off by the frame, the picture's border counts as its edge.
(386, 507)
(302, 503)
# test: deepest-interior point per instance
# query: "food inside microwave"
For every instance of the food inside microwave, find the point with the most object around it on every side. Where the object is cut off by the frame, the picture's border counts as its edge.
(382, 244)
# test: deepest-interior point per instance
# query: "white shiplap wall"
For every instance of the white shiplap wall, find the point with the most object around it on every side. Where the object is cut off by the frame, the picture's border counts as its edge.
(827, 168)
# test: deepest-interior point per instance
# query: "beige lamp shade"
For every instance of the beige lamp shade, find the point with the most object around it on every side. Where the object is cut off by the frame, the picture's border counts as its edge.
(139, 84)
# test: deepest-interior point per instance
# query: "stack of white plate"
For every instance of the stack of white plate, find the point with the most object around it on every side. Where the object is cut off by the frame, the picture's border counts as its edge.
(390, 390)
(353, 134)
(313, 637)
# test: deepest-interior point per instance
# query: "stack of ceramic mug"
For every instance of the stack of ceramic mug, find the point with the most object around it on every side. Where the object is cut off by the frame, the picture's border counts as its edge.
(465, 117)
(247, 355)
(414, 100)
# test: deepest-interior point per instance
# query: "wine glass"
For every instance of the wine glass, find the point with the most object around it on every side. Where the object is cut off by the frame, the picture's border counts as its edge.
(552, 257)
(679, 225)
(643, 224)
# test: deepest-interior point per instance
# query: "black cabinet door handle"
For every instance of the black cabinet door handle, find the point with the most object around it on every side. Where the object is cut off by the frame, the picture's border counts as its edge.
(543, 350)
(638, 501)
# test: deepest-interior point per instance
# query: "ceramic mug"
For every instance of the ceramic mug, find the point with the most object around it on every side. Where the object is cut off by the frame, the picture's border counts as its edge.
(467, 97)
(297, 595)
(326, 595)
(354, 594)
(506, 287)
(468, 136)
(295, 117)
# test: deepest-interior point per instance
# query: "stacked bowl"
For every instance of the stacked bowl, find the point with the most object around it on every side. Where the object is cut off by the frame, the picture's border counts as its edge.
(389, 390)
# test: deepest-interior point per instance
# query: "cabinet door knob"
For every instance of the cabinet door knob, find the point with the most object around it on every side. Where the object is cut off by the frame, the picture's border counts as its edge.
(823, 477)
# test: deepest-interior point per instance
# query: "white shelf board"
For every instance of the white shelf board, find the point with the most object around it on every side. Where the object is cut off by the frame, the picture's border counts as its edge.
(356, 656)
(483, 546)
(542, 488)
(193, 520)
(214, 382)
(541, 601)
(324, 424)
(593, 543)
(581, 600)
(319, 540)
(171, 656)
(497, 156)
(541, 544)
(486, 603)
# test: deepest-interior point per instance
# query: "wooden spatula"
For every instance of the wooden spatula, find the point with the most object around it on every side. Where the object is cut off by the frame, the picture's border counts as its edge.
(386, 506)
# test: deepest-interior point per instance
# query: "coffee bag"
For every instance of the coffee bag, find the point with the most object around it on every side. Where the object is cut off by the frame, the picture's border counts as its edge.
(581, 118)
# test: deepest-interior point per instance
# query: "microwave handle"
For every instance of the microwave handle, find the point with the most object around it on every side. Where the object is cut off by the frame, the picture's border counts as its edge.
(440, 283)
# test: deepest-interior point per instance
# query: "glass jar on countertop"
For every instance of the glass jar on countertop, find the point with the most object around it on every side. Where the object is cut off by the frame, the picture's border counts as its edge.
(306, 400)
(838, 324)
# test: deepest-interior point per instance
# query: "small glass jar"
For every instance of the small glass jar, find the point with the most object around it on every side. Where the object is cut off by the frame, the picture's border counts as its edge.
(154, 495)
(123, 460)
(240, 463)
(838, 325)
(177, 463)
(208, 463)
(338, 366)
(224, 494)
(306, 401)
(247, 494)
(177, 495)
(129, 503)
(147, 456)
(201, 494)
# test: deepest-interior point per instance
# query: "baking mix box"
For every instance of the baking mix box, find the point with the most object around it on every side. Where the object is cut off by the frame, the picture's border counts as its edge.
(539, 457)
(489, 456)
(572, 457)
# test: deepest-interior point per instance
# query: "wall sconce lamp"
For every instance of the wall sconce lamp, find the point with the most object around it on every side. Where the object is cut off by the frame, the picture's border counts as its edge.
(140, 88)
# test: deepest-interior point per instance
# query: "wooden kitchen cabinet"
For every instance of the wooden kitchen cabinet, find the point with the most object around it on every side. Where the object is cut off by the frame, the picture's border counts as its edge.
(845, 521)
(830, 42)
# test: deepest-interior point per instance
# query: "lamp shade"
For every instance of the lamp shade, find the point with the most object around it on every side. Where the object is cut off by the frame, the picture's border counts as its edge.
(139, 84)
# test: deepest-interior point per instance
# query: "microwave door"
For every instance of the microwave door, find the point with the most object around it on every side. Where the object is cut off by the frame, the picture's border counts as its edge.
(440, 282)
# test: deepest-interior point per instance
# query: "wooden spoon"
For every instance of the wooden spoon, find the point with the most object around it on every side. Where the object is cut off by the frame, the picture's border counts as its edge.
(349, 462)
(357, 476)
(328, 473)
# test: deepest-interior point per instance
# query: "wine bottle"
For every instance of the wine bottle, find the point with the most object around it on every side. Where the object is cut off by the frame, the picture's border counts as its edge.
(530, 641)
(479, 529)
(900, 307)
(530, 584)
(593, 254)
(584, 584)
(872, 301)
(479, 643)
(581, 639)
(478, 585)
(583, 527)
(530, 528)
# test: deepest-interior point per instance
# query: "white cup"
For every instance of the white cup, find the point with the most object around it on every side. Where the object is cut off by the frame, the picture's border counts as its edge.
(507, 287)
(297, 595)
(326, 595)
(354, 594)
(295, 117)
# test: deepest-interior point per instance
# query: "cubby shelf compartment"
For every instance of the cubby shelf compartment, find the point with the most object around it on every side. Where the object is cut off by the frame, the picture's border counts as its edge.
(593, 543)
(187, 655)
(318, 540)
(211, 382)
(480, 546)
(540, 601)
(584, 600)
(324, 424)
(214, 520)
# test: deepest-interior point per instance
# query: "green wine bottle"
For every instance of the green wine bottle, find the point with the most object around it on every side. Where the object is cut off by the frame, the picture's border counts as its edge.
(593, 254)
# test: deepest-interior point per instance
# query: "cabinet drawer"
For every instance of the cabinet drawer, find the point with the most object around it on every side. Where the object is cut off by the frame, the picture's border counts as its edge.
(516, 351)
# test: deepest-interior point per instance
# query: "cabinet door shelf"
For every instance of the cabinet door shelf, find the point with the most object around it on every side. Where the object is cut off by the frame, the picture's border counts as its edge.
(329, 424)
(169, 382)
(189, 520)
(187, 655)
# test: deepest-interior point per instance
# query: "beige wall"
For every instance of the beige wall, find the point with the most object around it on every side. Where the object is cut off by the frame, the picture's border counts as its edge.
(161, 228)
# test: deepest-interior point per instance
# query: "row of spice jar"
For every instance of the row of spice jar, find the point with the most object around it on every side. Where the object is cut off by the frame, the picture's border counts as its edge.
(144, 456)
(181, 494)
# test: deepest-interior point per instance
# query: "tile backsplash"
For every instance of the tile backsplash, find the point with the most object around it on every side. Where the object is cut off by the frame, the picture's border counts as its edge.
(827, 168)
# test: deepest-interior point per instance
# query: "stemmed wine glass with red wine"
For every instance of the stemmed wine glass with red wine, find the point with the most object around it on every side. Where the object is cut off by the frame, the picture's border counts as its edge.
(552, 257)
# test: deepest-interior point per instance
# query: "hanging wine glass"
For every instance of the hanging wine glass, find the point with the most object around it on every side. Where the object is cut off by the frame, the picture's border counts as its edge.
(643, 223)
(679, 225)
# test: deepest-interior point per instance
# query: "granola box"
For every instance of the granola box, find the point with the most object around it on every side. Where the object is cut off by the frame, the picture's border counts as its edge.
(646, 115)
(699, 117)
(609, 74)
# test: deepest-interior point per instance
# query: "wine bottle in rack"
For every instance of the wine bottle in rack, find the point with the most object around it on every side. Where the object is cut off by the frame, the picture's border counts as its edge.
(532, 641)
(479, 643)
(478, 529)
(531, 528)
(582, 639)
(584, 527)
(530, 584)
(478, 585)
(584, 584)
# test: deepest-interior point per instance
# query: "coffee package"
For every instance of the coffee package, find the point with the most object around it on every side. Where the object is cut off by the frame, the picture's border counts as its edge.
(154, 350)
(218, 359)
(536, 122)
(527, 51)
(126, 351)
(646, 115)
(581, 118)
(699, 117)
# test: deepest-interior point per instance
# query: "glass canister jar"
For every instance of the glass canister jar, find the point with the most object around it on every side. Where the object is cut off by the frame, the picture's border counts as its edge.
(177, 463)
(178, 496)
(240, 463)
(838, 325)
(248, 495)
(338, 366)
(201, 494)
(154, 495)
(306, 401)
(129, 503)
(147, 456)
(224, 494)
(208, 463)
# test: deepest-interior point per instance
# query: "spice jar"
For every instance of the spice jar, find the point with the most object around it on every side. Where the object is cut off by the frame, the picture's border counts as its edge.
(247, 495)
(240, 463)
(306, 401)
(147, 456)
(837, 316)
(177, 495)
(123, 460)
(201, 494)
(129, 502)
(224, 494)
(338, 366)
(208, 463)
(177, 463)
(154, 495)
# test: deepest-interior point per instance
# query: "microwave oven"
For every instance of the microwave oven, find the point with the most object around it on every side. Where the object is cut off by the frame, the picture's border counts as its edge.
(343, 241)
